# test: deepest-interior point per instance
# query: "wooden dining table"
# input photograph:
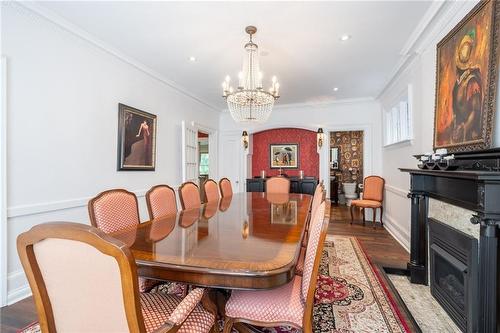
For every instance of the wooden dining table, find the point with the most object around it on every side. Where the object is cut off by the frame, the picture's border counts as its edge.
(245, 241)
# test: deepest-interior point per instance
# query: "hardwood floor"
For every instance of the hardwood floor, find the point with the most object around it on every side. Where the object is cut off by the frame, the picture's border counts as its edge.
(378, 244)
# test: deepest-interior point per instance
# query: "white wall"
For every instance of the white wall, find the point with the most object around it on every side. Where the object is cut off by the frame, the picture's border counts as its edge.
(420, 72)
(63, 95)
(363, 114)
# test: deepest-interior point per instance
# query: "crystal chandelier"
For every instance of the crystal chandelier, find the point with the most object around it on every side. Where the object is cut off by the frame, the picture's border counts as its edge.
(249, 102)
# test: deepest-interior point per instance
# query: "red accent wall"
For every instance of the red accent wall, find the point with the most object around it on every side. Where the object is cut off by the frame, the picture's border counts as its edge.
(308, 156)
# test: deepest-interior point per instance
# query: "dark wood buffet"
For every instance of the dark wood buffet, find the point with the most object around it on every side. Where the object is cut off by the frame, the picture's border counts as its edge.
(305, 185)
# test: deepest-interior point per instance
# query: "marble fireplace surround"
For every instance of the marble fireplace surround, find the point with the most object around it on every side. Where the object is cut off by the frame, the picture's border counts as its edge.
(456, 217)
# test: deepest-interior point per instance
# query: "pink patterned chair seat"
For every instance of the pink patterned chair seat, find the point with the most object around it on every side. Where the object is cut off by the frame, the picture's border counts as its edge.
(159, 308)
(147, 284)
(280, 305)
(299, 269)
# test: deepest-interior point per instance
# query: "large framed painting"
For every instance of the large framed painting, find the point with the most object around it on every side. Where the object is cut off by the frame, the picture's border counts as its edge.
(466, 81)
(284, 156)
(136, 139)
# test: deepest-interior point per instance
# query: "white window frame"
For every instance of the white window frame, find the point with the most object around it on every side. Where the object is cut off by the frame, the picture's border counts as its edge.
(398, 119)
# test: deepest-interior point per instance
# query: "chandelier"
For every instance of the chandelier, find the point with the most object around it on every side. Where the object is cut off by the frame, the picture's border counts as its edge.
(249, 102)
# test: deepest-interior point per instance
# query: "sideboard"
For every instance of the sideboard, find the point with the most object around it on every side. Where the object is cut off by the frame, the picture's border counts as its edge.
(307, 185)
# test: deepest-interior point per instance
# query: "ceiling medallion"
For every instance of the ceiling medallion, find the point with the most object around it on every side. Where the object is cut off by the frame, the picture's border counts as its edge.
(249, 102)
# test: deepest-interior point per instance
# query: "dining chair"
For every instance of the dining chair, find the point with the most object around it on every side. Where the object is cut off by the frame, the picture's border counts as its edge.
(291, 304)
(189, 195)
(226, 189)
(318, 198)
(83, 280)
(115, 210)
(161, 201)
(211, 190)
(373, 197)
(278, 185)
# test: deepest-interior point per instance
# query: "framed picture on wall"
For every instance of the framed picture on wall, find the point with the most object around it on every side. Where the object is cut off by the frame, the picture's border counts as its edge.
(136, 139)
(467, 76)
(284, 156)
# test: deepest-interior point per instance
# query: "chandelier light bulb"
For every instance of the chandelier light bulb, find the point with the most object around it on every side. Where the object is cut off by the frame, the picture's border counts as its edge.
(228, 78)
(274, 79)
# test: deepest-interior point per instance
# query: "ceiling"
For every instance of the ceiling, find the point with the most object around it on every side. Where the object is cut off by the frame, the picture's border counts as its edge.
(300, 42)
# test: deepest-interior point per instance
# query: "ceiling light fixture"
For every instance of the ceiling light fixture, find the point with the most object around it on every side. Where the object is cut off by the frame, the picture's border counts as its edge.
(192, 59)
(345, 37)
(335, 89)
(249, 102)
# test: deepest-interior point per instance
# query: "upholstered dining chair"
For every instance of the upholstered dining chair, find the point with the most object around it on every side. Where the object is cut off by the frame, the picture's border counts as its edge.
(211, 190)
(161, 201)
(86, 281)
(278, 185)
(291, 304)
(189, 195)
(373, 197)
(115, 210)
(226, 189)
(318, 198)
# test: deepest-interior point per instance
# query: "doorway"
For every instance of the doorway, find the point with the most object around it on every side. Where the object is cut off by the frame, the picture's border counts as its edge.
(346, 166)
(203, 160)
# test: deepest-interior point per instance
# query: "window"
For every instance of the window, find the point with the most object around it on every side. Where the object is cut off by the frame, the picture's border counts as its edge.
(204, 164)
(398, 124)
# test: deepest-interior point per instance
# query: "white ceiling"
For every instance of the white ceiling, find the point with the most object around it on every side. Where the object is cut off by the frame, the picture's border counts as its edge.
(301, 39)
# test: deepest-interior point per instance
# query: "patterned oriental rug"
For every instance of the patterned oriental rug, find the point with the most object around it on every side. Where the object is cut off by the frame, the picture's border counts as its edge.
(351, 296)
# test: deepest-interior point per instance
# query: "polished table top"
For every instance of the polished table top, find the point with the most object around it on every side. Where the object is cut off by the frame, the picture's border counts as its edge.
(249, 240)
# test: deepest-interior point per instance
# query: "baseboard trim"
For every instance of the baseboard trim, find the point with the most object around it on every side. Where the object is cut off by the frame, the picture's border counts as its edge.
(20, 292)
(395, 230)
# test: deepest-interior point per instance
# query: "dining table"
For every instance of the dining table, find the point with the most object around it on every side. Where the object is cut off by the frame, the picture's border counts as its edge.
(244, 241)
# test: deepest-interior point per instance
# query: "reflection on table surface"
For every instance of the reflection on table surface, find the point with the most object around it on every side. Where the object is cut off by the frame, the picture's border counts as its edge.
(245, 232)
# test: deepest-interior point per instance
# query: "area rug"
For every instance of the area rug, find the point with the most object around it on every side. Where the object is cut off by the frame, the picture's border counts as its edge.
(350, 297)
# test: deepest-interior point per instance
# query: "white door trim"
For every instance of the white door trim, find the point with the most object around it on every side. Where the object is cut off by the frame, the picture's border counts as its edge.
(213, 149)
(3, 183)
(368, 147)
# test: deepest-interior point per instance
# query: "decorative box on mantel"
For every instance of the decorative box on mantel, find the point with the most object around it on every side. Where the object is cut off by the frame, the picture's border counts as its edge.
(476, 262)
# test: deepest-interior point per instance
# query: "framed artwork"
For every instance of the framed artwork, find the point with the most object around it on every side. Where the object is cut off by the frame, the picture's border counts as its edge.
(136, 139)
(284, 156)
(284, 213)
(466, 81)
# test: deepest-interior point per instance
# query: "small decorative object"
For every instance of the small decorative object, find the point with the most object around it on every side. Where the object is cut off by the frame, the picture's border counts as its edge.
(320, 136)
(467, 76)
(136, 139)
(284, 156)
(249, 102)
(301, 174)
(245, 230)
(244, 139)
(263, 174)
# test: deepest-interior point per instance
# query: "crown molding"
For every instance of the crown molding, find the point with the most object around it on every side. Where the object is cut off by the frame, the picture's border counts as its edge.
(345, 101)
(434, 20)
(79, 32)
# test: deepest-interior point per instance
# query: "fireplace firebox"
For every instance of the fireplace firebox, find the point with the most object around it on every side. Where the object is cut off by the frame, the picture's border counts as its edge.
(454, 273)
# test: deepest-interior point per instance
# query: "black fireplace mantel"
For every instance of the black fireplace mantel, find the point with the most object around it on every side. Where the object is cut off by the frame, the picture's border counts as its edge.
(478, 191)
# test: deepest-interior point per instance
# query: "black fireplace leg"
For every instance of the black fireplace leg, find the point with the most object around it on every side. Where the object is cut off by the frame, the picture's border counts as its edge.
(488, 277)
(418, 242)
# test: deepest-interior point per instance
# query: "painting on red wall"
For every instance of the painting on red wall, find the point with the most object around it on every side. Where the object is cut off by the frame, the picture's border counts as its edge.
(284, 156)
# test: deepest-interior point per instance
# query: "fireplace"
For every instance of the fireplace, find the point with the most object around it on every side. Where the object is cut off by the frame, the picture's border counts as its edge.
(454, 273)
